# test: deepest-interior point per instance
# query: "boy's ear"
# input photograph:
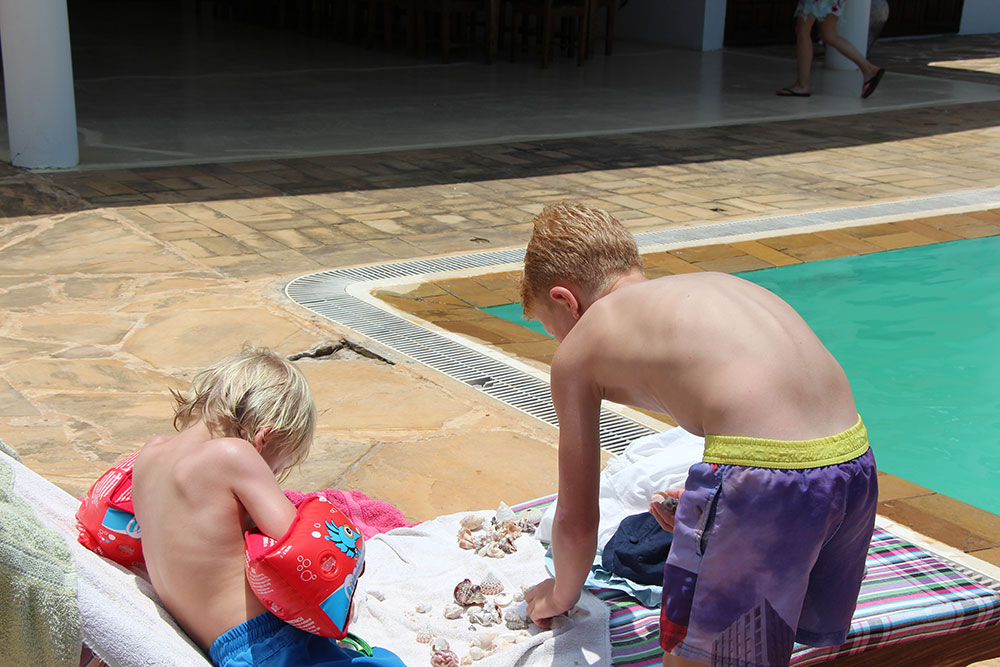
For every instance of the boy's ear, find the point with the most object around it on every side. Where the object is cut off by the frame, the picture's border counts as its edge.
(564, 298)
(260, 436)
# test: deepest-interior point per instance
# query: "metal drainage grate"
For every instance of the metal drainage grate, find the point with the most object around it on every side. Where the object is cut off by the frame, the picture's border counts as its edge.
(325, 293)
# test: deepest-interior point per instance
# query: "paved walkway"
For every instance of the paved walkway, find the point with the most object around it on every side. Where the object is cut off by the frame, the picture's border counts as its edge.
(116, 285)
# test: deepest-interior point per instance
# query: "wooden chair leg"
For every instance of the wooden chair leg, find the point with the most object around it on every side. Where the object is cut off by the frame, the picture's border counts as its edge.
(372, 17)
(445, 35)
(515, 32)
(546, 36)
(421, 33)
(412, 11)
(609, 35)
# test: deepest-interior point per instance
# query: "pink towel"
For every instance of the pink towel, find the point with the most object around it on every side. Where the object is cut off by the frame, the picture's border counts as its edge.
(369, 515)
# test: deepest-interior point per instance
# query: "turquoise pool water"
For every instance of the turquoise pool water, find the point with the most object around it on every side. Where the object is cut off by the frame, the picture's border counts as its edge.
(918, 332)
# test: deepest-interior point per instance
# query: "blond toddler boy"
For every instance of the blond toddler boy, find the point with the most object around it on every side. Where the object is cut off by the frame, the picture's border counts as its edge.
(245, 422)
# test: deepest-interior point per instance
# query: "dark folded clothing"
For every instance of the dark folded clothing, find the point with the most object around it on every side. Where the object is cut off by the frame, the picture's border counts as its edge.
(638, 550)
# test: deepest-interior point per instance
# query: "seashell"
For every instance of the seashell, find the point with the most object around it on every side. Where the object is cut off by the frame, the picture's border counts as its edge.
(504, 513)
(503, 598)
(518, 596)
(506, 544)
(484, 640)
(474, 609)
(487, 616)
(444, 658)
(378, 595)
(423, 607)
(464, 534)
(466, 544)
(531, 517)
(467, 593)
(466, 660)
(514, 621)
(425, 637)
(482, 618)
(440, 644)
(472, 522)
(669, 503)
(511, 529)
(476, 653)
(490, 585)
(491, 608)
(453, 611)
(491, 550)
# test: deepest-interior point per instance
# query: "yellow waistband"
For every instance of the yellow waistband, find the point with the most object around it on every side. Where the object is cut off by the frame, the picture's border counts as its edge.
(788, 454)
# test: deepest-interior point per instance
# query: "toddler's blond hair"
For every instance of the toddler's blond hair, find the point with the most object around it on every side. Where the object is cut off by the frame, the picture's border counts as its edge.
(575, 244)
(243, 394)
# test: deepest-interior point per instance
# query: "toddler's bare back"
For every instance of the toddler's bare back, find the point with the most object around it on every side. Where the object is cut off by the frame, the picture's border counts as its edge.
(192, 531)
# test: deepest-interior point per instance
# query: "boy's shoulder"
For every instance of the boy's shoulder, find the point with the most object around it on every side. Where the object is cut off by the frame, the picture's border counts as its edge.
(211, 451)
(229, 449)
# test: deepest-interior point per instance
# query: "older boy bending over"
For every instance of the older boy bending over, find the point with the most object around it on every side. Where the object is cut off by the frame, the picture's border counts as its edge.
(772, 529)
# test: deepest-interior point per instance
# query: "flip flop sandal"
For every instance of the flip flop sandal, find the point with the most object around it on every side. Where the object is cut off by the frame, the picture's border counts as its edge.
(871, 84)
(788, 92)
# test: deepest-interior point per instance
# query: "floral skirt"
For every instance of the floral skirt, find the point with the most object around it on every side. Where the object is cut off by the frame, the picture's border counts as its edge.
(819, 8)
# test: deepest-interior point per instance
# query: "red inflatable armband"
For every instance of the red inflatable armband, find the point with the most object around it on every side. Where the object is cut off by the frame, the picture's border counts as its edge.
(307, 578)
(106, 521)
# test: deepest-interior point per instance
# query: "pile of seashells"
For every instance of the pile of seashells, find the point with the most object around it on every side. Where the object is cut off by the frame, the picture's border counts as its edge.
(496, 618)
(472, 601)
(497, 539)
(483, 604)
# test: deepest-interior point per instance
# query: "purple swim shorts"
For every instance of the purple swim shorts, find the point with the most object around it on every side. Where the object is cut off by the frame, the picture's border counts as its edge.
(769, 548)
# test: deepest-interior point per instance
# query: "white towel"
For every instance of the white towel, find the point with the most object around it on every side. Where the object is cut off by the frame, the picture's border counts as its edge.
(652, 463)
(123, 622)
(421, 565)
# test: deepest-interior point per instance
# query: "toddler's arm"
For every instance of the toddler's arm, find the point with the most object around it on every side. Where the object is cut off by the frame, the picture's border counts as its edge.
(258, 491)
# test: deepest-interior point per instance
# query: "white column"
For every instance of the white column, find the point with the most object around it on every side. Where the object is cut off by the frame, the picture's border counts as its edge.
(853, 25)
(38, 83)
(979, 17)
(714, 31)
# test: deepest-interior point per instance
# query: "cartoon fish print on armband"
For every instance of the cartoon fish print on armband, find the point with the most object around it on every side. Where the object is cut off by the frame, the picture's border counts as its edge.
(344, 537)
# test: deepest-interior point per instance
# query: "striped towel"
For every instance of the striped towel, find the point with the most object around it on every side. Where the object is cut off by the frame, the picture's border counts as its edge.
(908, 593)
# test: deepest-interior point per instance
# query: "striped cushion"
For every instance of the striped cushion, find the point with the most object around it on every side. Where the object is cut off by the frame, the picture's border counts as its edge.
(907, 594)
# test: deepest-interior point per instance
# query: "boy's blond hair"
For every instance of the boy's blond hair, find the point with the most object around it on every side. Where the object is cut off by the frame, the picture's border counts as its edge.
(575, 244)
(248, 392)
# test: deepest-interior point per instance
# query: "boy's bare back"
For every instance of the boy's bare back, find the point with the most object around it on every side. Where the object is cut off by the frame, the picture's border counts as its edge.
(194, 495)
(719, 354)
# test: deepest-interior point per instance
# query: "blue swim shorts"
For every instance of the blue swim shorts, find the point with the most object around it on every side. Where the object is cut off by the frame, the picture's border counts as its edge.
(267, 641)
(769, 548)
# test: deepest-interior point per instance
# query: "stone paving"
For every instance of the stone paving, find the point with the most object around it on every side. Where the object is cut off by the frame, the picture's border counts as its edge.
(116, 285)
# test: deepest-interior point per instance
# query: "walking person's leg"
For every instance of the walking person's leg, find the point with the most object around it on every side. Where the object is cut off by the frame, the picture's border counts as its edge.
(871, 73)
(804, 58)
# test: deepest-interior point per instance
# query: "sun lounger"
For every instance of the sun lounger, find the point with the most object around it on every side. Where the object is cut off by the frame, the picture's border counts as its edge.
(917, 606)
(121, 619)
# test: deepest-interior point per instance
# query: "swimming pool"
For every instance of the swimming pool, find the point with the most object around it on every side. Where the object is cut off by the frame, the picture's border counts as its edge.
(918, 332)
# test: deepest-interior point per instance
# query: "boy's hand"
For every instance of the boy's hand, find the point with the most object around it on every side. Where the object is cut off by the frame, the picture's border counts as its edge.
(658, 507)
(542, 604)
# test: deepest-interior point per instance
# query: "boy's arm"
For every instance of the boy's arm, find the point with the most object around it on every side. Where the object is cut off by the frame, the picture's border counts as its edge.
(257, 490)
(577, 401)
